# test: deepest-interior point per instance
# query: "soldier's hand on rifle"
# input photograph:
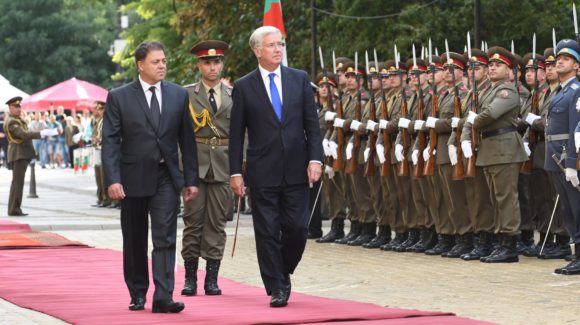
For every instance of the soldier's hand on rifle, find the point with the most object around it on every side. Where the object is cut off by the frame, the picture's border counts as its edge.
(419, 125)
(572, 176)
(577, 141)
(354, 125)
(527, 148)
(380, 153)
(431, 122)
(455, 122)
(338, 123)
(399, 152)
(404, 123)
(471, 117)
(366, 154)
(329, 171)
(415, 156)
(452, 154)
(348, 151)
(531, 117)
(383, 124)
(466, 148)
(371, 125)
(329, 116)
(333, 149)
(326, 148)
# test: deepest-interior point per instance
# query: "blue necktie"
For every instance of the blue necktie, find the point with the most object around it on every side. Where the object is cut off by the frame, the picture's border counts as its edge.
(276, 102)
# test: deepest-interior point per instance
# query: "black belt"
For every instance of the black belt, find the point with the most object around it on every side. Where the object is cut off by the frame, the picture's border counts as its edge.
(497, 132)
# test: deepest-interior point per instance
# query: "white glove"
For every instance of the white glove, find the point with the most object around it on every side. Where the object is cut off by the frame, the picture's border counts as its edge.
(399, 152)
(380, 153)
(452, 154)
(404, 123)
(454, 122)
(577, 141)
(572, 176)
(371, 125)
(349, 151)
(329, 170)
(354, 125)
(466, 148)
(531, 117)
(333, 149)
(325, 147)
(471, 117)
(419, 125)
(366, 154)
(48, 132)
(527, 148)
(426, 154)
(338, 123)
(415, 156)
(431, 122)
(383, 124)
(329, 116)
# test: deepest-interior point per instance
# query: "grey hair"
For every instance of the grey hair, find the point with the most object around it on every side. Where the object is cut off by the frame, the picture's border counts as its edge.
(258, 35)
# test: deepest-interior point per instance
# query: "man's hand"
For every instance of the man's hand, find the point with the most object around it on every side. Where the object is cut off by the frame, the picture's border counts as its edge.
(572, 176)
(452, 154)
(189, 193)
(116, 191)
(471, 117)
(466, 149)
(237, 185)
(431, 122)
(314, 171)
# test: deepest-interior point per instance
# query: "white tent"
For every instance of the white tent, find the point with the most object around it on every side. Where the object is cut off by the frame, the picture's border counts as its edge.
(8, 91)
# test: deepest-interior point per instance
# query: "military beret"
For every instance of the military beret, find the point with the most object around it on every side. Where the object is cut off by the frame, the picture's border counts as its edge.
(421, 65)
(210, 49)
(540, 61)
(550, 55)
(341, 62)
(14, 100)
(328, 79)
(456, 59)
(500, 54)
(478, 56)
(568, 47)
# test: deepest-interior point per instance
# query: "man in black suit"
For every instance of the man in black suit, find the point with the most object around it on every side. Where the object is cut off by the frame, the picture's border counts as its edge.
(143, 124)
(274, 104)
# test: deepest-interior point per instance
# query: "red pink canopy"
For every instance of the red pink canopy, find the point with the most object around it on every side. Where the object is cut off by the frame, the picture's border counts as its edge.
(71, 94)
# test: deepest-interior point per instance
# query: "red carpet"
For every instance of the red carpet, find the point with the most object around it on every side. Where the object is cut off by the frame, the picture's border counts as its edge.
(35, 239)
(86, 287)
(11, 226)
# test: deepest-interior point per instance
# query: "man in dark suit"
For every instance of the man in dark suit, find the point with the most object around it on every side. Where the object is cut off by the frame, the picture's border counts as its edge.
(144, 123)
(274, 104)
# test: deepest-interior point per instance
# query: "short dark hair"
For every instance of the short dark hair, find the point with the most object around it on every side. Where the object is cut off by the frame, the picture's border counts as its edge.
(144, 48)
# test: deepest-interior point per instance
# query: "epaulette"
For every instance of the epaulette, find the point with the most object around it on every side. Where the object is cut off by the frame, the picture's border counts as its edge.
(190, 85)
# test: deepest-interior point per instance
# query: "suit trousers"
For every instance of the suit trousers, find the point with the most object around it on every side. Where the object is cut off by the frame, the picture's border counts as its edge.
(163, 208)
(525, 199)
(17, 186)
(544, 198)
(280, 216)
(205, 221)
(502, 180)
(334, 195)
(570, 201)
(391, 211)
(481, 211)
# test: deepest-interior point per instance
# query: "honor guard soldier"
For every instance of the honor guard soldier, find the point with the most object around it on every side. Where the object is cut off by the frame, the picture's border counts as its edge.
(20, 152)
(205, 217)
(561, 146)
(500, 152)
(97, 137)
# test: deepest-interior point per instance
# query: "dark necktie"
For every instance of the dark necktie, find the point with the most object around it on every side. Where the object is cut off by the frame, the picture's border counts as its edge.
(212, 101)
(155, 110)
(276, 101)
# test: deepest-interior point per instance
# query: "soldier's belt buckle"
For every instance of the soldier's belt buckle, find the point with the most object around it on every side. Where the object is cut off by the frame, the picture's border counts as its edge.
(214, 141)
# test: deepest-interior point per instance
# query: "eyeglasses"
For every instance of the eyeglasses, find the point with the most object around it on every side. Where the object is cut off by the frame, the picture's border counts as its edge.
(274, 45)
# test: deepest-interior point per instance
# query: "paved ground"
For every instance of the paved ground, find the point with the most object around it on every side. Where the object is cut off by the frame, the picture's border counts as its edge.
(522, 293)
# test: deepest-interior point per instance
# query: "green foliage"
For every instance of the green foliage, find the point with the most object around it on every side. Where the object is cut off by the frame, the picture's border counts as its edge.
(43, 42)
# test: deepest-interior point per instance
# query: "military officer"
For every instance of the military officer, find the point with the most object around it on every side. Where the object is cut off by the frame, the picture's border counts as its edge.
(205, 218)
(20, 152)
(563, 118)
(500, 152)
(97, 126)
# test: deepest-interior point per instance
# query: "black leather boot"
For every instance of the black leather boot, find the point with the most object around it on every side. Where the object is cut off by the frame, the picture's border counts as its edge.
(355, 230)
(427, 240)
(482, 249)
(508, 252)
(336, 231)
(382, 238)
(210, 286)
(444, 244)
(412, 239)
(368, 232)
(560, 249)
(526, 245)
(190, 286)
(399, 238)
(465, 246)
(573, 267)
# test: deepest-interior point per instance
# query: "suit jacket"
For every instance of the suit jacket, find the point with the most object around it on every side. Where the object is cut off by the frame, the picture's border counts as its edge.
(133, 147)
(20, 147)
(212, 156)
(278, 151)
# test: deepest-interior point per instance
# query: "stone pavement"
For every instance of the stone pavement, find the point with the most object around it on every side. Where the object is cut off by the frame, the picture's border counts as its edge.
(521, 293)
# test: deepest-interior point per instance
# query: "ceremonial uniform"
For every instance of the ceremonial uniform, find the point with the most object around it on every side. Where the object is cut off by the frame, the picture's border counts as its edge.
(97, 136)
(205, 217)
(20, 152)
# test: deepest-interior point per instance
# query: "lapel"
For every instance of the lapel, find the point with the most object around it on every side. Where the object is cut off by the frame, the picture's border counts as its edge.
(286, 84)
(140, 96)
(263, 94)
(226, 99)
(165, 97)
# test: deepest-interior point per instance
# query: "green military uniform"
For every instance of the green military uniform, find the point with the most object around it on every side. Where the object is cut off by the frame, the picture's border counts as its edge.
(205, 217)
(20, 152)
(97, 127)
(500, 153)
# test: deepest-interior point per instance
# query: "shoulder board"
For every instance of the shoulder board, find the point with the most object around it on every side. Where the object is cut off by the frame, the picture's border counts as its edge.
(190, 85)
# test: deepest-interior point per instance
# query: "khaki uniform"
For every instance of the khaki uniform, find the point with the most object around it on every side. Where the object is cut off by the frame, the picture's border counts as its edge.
(20, 152)
(102, 195)
(501, 152)
(205, 217)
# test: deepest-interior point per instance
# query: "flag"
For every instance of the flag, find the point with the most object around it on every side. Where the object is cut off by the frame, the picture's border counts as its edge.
(273, 17)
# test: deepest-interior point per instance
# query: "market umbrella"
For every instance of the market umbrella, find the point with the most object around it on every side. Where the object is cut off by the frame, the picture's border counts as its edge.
(72, 94)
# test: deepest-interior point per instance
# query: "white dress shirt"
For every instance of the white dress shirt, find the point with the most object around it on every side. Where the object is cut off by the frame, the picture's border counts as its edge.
(148, 93)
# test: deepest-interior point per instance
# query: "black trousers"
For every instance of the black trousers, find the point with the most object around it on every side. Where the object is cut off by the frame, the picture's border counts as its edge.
(163, 208)
(570, 205)
(280, 216)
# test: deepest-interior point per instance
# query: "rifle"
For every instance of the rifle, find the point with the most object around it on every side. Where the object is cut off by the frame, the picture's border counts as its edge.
(403, 166)
(329, 160)
(533, 136)
(421, 137)
(471, 161)
(352, 163)
(458, 169)
(338, 164)
(386, 166)
(369, 169)
(430, 164)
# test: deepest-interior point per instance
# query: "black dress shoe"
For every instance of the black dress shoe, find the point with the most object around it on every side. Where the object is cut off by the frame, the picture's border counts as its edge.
(288, 287)
(314, 235)
(18, 214)
(167, 306)
(137, 304)
(278, 298)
